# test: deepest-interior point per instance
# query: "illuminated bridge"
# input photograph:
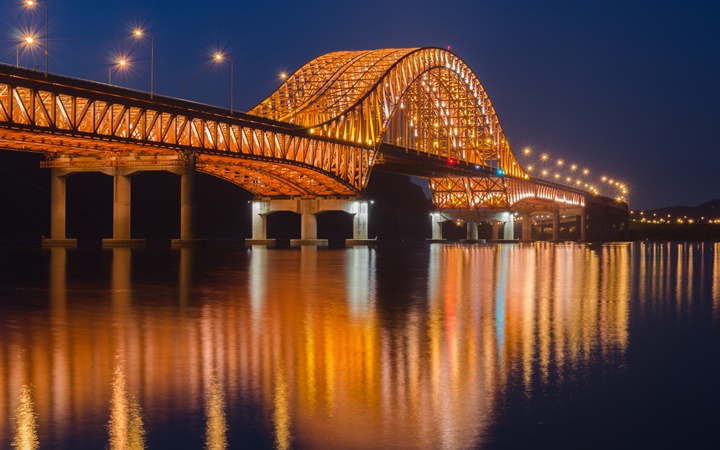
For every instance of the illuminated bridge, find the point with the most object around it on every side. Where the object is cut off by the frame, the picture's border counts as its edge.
(311, 146)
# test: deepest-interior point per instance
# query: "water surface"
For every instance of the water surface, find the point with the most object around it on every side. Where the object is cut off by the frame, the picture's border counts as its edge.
(427, 346)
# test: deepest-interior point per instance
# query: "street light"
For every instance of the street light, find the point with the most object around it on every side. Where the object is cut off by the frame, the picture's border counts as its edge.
(120, 63)
(220, 57)
(32, 3)
(28, 40)
(139, 33)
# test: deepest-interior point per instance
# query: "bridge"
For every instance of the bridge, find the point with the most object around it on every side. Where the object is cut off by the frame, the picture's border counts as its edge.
(309, 147)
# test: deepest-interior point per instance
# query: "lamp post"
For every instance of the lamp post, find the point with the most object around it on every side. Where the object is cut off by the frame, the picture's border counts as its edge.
(28, 40)
(32, 3)
(220, 57)
(120, 63)
(139, 33)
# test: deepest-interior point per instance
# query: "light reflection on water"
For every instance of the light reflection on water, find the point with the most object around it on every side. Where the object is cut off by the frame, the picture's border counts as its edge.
(25, 422)
(216, 429)
(125, 428)
(415, 347)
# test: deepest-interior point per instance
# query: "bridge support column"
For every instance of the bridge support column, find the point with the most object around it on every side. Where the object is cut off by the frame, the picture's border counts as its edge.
(495, 230)
(259, 224)
(308, 223)
(472, 232)
(361, 209)
(121, 213)
(308, 226)
(436, 224)
(583, 225)
(58, 216)
(508, 230)
(187, 208)
(260, 210)
(360, 221)
(526, 227)
(556, 225)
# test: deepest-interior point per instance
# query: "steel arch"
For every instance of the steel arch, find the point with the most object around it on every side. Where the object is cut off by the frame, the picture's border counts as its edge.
(426, 100)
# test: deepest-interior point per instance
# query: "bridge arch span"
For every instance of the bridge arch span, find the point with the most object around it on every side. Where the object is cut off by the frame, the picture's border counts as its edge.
(423, 100)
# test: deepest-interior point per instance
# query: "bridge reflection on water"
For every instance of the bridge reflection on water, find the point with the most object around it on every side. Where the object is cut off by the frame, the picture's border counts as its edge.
(355, 348)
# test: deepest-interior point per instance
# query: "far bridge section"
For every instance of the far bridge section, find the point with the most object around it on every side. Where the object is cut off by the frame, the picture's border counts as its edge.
(515, 207)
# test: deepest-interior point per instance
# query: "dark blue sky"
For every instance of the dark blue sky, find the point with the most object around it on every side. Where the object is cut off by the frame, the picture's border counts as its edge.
(630, 89)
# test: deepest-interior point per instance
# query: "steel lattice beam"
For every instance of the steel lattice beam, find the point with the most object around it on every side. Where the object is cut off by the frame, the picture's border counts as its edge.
(67, 118)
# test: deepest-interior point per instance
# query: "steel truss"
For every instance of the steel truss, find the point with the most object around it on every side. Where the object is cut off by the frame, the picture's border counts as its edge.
(74, 119)
(501, 193)
(425, 100)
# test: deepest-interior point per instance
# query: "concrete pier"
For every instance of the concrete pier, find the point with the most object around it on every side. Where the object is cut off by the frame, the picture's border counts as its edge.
(121, 213)
(188, 237)
(308, 208)
(526, 226)
(58, 214)
(556, 225)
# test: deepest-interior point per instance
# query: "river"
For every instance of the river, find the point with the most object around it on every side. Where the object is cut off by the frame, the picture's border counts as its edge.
(428, 346)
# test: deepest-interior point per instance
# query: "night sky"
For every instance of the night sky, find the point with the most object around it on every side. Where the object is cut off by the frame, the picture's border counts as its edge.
(628, 89)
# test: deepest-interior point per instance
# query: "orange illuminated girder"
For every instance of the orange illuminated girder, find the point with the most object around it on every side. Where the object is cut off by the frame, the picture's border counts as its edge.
(73, 120)
(500, 193)
(425, 100)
